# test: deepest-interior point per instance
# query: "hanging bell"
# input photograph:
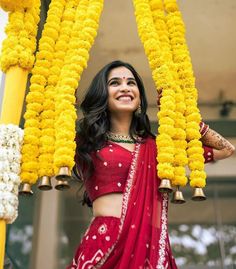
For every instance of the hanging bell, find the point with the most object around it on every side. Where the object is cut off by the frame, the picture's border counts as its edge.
(178, 197)
(25, 189)
(198, 195)
(45, 183)
(165, 186)
(62, 185)
(64, 174)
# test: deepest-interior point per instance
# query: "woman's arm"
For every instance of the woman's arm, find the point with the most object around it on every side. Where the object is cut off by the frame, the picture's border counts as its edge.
(222, 148)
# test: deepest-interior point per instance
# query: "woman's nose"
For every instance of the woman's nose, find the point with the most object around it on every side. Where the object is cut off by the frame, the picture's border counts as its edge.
(125, 87)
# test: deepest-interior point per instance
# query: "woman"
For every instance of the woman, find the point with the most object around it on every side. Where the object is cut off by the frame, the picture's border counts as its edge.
(116, 157)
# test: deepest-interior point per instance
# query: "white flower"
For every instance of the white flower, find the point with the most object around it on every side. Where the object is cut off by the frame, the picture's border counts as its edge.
(2, 186)
(2, 210)
(14, 178)
(11, 138)
(4, 167)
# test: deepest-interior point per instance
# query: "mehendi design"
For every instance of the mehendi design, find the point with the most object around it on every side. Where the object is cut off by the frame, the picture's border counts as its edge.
(216, 141)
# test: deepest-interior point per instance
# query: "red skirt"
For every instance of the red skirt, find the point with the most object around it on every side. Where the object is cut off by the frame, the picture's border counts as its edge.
(99, 237)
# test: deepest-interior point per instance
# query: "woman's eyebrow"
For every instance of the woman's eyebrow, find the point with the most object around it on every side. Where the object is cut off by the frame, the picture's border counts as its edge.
(119, 78)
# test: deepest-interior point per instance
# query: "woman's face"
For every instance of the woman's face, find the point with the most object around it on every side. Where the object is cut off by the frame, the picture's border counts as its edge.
(123, 92)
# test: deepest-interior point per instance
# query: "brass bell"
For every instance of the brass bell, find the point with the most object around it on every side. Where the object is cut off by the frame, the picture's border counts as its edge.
(178, 197)
(25, 189)
(45, 183)
(62, 185)
(64, 174)
(165, 186)
(198, 195)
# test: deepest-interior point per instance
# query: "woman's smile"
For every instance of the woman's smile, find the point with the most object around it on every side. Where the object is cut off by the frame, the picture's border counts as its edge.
(125, 97)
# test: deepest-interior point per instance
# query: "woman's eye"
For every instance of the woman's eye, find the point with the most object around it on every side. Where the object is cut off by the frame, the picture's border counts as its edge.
(131, 83)
(113, 83)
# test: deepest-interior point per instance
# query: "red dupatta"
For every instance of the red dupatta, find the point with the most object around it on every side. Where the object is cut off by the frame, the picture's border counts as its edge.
(142, 240)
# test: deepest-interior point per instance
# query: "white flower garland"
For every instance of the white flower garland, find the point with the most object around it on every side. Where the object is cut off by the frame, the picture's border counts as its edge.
(11, 137)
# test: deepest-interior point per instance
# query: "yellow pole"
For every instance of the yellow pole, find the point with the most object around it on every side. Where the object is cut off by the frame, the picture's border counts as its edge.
(13, 99)
(2, 242)
(14, 93)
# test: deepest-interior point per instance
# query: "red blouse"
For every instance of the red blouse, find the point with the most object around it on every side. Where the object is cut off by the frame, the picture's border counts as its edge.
(111, 168)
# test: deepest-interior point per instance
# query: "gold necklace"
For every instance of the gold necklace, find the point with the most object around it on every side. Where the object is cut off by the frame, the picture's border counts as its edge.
(118, 138)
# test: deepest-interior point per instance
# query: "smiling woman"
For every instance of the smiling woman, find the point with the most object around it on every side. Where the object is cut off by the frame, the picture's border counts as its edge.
(116, 159)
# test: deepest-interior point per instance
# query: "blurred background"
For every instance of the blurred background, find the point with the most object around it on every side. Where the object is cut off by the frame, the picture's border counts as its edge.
(203, 234)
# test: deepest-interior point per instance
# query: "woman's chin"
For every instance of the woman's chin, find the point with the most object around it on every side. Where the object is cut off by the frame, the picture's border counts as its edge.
(123, 110)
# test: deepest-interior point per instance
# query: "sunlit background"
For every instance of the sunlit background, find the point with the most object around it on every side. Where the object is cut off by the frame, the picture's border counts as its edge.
(203, 234)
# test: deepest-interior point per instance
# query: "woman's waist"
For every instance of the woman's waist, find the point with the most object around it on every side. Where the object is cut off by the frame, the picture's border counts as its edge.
(108, 205)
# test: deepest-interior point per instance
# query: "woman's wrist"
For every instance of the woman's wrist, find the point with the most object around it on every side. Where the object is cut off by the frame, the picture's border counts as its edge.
(203, 128)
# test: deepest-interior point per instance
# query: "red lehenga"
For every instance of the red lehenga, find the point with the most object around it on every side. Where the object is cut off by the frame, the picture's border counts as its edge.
(139, 238)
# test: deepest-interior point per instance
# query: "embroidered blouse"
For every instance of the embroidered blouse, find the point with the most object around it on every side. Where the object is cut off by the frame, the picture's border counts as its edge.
(111, 166)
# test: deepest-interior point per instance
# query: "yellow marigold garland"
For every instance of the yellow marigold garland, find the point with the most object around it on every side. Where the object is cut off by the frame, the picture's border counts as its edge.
(180, 157)
(182, 59)
(84, 31)
(35, 98)
(65, 98)
(61, 23)
(58, 23)
(164, 83)
(19, 46)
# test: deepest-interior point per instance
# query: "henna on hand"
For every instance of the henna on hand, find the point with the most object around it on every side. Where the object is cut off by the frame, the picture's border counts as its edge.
(216, 141)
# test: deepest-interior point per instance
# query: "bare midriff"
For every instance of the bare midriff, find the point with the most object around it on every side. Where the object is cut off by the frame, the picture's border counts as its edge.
(108, 205)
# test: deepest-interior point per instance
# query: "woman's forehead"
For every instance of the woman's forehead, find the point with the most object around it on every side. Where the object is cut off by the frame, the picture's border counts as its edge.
(120, 72)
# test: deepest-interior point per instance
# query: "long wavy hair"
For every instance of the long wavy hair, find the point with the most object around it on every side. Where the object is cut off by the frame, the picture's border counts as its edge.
(95, 124)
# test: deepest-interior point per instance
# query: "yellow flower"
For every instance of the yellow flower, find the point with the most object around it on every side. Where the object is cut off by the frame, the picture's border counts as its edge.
(165, 157)
(194, 150)
(19, 46)
(10, 5)
(167, 129)
(29, 177)
(29, 148)
(32, 123)
(196, 165)
(166, 171)
(198, 179)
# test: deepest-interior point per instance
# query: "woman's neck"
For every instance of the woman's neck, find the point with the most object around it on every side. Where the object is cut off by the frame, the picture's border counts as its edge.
(120, 125)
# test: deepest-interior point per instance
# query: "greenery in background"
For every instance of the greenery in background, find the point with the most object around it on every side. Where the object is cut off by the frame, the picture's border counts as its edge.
(200, 245)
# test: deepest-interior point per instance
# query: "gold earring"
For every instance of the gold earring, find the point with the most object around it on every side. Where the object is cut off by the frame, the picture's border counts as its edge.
(138, 111)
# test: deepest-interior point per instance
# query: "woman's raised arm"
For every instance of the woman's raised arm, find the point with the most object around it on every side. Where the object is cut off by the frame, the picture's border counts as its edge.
(222, 148)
